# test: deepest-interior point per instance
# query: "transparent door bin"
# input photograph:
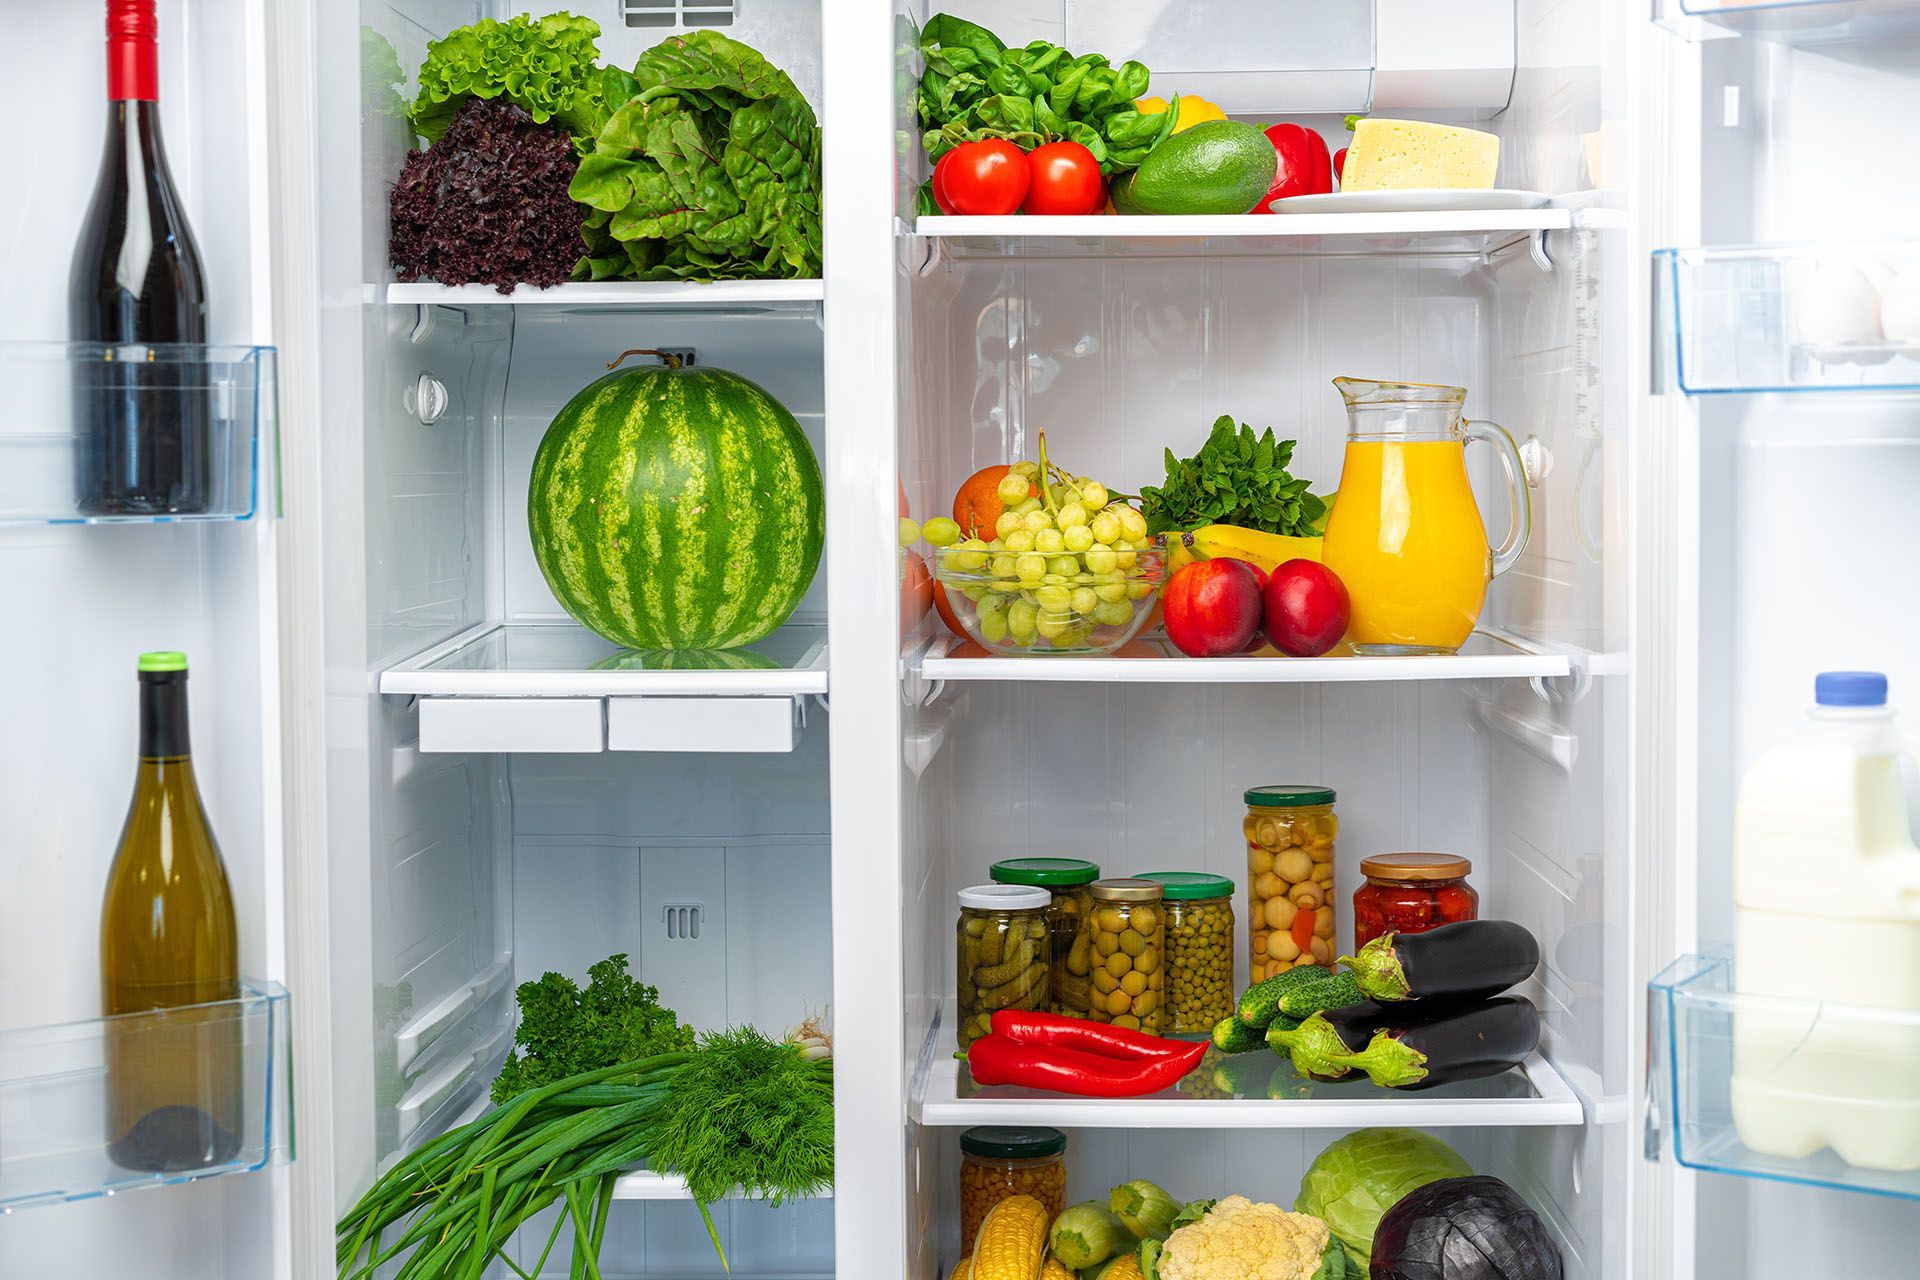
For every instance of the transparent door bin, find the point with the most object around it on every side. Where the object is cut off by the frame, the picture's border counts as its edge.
(204, 415)
(109, 1105)
(1792, 1091)
(1763, 318)
(1868, 31)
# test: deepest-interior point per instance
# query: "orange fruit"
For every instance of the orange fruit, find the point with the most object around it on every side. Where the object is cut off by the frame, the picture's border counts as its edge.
(945, 609)
(977, 507)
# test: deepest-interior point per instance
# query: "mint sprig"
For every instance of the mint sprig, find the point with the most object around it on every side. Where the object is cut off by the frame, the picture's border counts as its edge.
(1237, 478)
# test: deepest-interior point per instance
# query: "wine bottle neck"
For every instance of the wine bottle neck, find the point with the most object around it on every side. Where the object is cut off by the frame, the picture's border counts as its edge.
(163, 715)
(133, 51)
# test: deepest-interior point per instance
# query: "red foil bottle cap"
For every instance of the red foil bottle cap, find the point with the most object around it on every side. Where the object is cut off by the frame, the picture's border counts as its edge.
(133, 51)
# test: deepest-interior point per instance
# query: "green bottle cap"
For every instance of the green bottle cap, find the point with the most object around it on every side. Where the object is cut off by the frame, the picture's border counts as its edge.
(163, 660)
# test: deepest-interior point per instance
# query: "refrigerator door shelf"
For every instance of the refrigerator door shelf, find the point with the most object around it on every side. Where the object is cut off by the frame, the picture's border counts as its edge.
(1783, 1090)
(55, 1083)
(1869, 32)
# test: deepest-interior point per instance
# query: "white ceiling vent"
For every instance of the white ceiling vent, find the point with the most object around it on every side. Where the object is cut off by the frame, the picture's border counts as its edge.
(678, 13)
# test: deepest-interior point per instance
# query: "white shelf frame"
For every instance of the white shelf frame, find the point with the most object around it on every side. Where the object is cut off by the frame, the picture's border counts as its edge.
(677, 294)
(1522, 659)
(645, 1184)
(1273, 226)
(942, 1107)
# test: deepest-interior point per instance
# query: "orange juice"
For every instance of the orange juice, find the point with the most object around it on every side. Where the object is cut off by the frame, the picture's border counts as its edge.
(1407, 540)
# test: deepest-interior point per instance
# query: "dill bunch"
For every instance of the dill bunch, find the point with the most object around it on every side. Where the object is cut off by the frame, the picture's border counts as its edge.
(748, 1113)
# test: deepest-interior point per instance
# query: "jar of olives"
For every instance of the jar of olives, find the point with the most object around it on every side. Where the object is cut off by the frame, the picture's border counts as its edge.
(1199, 923)
(1004, 954)
(1067, 927)
(1290, 830)
(999, 1163)
(1129, 955)
(1412, 893)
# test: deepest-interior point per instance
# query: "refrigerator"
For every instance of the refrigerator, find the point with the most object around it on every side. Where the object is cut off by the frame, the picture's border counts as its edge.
(431, 785)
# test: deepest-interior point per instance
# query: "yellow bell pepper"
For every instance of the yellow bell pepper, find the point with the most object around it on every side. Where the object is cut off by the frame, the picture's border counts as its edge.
(1193, 110)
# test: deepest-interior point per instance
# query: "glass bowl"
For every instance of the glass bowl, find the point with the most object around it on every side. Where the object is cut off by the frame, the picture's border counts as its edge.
(1067, 602)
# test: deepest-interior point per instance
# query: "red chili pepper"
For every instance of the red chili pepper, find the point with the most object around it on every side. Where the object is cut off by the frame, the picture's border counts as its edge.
(997, 1059)
(1304, 168)
(1097, 1038)
(1302, 931)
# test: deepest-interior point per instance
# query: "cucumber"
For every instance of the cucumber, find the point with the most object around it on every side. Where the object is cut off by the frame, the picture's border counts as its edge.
(1335, 991)
(1230, 1035)
(1260, 1003)
(1007, 970)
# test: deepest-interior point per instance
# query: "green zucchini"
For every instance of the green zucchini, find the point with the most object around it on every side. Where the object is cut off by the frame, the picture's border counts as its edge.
(1260, 1002)
(1335, 991)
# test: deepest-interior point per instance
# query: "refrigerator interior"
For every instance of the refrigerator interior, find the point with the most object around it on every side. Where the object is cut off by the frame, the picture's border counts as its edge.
(1789, 147)
(84, 600)
(456, 876)
(1120, 350)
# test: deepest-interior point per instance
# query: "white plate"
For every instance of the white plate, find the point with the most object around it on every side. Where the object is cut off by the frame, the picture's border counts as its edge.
(1422, 201)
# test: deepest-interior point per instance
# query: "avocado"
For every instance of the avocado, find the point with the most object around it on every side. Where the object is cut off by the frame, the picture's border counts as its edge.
(1220, 166)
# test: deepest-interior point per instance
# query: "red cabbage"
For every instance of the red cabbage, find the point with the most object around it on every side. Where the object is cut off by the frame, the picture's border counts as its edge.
(488, 202)
(1473, 1228)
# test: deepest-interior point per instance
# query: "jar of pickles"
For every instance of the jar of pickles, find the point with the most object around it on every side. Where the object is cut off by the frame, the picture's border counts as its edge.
(1004, 954)
(1411, 893)
(1290, 830)
(999, 1163)
(1199, 923)
(1067, 925)
(1129, 955)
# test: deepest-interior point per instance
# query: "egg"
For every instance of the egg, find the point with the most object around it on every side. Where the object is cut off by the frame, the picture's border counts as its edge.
(1900, 308)
(1838, 306)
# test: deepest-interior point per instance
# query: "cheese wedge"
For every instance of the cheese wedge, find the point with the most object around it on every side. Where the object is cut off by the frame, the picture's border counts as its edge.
(1398, 155)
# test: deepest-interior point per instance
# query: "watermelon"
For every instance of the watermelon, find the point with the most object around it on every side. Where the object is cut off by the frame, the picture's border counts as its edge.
(686, 660)
(676, 509)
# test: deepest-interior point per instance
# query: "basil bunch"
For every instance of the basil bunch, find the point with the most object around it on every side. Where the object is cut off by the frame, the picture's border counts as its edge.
(975, 87)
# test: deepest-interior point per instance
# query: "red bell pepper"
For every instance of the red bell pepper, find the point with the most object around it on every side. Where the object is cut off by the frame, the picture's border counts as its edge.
(1097, 1038)
(1305, 168)
(997, 1059)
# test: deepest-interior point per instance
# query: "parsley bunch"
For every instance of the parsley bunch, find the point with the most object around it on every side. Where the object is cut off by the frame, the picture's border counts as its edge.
(1236, 479)
(564, 1030)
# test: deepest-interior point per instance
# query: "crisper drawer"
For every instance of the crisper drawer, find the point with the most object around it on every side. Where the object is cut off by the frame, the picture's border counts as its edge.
(580, 725)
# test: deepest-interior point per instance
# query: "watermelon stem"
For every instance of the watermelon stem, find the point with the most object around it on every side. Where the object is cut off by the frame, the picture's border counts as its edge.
(668, 358)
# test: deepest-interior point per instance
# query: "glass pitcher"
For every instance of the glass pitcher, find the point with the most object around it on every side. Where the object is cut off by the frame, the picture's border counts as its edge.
(1405, 535)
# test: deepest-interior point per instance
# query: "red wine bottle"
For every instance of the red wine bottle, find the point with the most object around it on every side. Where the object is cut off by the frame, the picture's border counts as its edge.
(143, 422)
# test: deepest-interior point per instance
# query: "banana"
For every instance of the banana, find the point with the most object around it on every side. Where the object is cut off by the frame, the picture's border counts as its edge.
(1267, 550)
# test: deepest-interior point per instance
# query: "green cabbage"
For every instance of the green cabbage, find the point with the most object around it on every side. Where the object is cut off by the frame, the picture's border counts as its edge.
(548, 67)
(1353, 1183)
(708, 167)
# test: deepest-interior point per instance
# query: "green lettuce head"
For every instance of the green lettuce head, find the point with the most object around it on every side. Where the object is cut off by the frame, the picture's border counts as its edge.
(1351, 1185)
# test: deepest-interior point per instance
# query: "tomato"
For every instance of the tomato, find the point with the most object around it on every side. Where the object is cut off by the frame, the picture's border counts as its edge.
(940, 199)
(986, 179)
(1340, 163)
(1064, 179)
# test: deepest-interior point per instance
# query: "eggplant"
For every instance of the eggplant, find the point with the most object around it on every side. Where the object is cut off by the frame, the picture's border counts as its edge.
(1460, 961)
(1414, 1046)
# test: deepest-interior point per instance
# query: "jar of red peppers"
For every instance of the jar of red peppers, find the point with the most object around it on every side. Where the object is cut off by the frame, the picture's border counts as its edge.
(1411, 893)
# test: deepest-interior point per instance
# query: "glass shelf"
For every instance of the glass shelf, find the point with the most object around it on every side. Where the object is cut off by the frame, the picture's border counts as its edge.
(1789, 1091)
(56, 1083)
(1878, 32)
(1769, 318)
(51, 391)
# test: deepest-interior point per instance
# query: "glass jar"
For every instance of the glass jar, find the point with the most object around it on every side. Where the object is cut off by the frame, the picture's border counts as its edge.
(1067, 880)
(1129, 977)
(1290, 830)
(998, 1163)
(1004, 954)
(1199, 912)
(1412, 893)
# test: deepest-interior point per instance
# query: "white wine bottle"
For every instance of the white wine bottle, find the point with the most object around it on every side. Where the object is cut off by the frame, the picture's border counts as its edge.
(168, 941)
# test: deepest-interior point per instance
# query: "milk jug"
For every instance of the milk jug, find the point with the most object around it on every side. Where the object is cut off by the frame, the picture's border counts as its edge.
(1826, 881)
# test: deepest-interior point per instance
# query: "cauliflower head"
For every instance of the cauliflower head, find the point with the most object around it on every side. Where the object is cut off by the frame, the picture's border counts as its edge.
(1242, 1240)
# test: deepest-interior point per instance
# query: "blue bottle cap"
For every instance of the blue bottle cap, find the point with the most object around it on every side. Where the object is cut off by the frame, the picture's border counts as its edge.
(1850, 689)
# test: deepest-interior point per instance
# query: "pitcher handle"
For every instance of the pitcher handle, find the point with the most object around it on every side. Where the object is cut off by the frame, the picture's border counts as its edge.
(1519, 502)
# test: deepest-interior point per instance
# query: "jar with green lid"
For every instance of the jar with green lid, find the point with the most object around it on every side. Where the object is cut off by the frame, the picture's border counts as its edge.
(1290, 830)
(998, 1163)
(1199, 922)
(1067, 880)
(1129, 955)
(1004, 954)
